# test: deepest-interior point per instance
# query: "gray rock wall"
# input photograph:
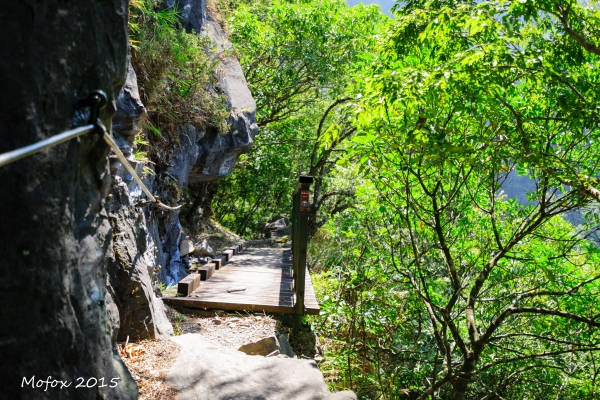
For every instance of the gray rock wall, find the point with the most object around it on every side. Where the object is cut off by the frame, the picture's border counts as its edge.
(192, 13)
(132, 271)
(220, 152)
(55, 234)
(134, 260)
(206, 155)
(217, 151)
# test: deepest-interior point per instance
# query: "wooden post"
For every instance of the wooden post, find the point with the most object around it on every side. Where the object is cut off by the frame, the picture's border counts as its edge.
(301, 207)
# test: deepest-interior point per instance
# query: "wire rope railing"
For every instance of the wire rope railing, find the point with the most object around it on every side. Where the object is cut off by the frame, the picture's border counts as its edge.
(95, 101)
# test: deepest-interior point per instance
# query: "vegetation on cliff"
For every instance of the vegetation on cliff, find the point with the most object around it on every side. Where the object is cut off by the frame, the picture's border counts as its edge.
(176, 77)
(433, 283)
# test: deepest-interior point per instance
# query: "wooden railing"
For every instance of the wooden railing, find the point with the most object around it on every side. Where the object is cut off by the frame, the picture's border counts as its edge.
(301, 207)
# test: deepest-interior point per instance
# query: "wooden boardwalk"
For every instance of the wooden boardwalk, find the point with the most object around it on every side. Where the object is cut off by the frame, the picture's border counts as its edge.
(266, 276)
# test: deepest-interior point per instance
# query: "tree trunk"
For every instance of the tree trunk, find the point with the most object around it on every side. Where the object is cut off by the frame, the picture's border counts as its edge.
(460, 384)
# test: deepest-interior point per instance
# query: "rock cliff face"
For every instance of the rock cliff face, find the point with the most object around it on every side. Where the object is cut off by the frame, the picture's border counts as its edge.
(192, 13)
(55, 234)
(207, 155)
(203, 155)
(132, 271)
(134, 306)
(219, 153)
(146, 247)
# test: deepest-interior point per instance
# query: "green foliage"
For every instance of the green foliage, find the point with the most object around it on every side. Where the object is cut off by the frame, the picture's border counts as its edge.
(140, 153)
(381, 338)
(364, 310)
(139, 144)
(298, 59)
(166, 289)
(297, 53)
(460, 97)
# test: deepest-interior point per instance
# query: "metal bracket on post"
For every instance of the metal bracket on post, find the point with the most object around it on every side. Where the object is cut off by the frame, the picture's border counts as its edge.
(301, 208)
(96, 101)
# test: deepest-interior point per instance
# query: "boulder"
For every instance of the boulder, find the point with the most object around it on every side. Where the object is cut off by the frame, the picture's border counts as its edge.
(55, 235)
(203, 249)
(279, 228)
(206, 370)
(186, 247)
(262, 347)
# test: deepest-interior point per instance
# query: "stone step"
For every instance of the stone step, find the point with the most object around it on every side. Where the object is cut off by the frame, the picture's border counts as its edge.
(206, 370)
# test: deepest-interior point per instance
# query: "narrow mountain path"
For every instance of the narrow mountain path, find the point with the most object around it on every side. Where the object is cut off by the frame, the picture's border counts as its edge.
(206, 370)
(203, 362)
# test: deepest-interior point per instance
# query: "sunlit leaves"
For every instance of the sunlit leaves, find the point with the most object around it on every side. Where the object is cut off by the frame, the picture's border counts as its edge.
(299, 60)
(294, 53)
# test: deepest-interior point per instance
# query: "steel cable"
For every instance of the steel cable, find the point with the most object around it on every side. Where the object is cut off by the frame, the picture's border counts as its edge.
(96, 101)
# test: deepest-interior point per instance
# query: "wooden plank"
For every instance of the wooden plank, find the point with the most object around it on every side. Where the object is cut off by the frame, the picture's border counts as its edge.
(228, 306)
(223, 260)
(188, 284)
(228, 272)
(265, 275)
(228, 254)
(191, 302)
(206, 271)
(218, 261)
